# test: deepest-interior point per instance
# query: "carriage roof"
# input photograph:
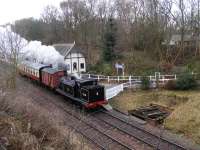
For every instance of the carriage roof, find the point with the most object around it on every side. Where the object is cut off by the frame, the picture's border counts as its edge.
(33, 65)
(51, 70)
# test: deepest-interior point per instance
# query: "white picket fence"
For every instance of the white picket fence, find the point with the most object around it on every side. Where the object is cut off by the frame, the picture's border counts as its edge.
(135, 79)
(129, 82)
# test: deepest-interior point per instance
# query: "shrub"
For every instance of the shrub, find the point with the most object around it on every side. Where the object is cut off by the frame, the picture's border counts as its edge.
(101, 68)
(106, 69)
(145, 83)
(170, 85)
(186, 82)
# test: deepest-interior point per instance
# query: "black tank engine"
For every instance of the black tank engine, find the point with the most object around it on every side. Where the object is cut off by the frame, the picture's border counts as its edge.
(85, 91)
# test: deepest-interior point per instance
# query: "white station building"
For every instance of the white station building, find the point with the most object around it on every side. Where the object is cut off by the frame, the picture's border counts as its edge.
(74, 58)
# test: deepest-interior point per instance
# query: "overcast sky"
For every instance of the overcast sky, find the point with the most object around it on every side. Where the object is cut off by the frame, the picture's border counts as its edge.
(11, 10)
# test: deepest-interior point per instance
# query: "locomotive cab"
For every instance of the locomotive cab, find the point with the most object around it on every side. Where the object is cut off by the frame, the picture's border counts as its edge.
(85, 91)
(92, 93)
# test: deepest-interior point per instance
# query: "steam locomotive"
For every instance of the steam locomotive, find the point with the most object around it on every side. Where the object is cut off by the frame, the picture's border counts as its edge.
(86, 92)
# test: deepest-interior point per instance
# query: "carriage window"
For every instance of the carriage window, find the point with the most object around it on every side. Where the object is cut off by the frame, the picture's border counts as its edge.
(75, 66)
(82, 65)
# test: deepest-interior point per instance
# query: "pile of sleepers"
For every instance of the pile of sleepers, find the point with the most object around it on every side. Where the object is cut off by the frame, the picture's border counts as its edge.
(154, 114)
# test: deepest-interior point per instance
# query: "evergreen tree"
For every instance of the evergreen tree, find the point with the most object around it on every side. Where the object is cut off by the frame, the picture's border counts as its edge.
(109, 41)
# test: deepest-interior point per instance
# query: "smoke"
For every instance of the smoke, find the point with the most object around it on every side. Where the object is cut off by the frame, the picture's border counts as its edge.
(37, 52)
(31, 50)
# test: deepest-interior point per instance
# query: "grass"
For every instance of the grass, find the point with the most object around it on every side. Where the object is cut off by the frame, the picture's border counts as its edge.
(185, 118)
(27, 125)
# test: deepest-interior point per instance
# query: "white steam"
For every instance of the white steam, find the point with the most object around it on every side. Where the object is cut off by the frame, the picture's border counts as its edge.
(33, 50)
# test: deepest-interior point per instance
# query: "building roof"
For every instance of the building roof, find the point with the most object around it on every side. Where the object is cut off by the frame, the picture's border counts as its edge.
(66, 48)
(177, 37)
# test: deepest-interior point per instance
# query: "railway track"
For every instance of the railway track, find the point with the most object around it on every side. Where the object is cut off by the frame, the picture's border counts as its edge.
(155, 141)
(101, 138)
(98, 128)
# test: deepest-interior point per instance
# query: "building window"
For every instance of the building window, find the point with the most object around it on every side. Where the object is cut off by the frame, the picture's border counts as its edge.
(74, 66)
(82, 65)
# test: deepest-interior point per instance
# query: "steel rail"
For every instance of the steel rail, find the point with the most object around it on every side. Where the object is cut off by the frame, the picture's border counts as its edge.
(91, 126)
(143, 130)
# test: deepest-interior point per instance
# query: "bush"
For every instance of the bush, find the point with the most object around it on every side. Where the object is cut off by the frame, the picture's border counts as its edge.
(186, 82)
(145, 83)
(101, 68)
(106, 69)
(170, 85)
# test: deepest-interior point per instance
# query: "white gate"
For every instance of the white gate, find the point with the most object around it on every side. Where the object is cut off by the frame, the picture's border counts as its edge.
(113, 91)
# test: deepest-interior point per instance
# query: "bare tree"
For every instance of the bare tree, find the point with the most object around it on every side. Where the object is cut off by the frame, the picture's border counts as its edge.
(10, 46)
(55, 27)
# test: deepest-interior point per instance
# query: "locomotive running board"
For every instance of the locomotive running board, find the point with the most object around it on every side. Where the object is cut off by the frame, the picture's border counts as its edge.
(108, 107)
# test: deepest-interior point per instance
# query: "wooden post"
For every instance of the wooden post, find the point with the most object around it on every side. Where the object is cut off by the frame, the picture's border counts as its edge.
(118, 79)
(130, 80)
(108, 79)
(157, 77)
(163, 79)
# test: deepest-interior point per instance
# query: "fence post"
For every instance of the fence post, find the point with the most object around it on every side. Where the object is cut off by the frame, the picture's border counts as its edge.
(98, 77)
(175, 77)
(163, 79)
(118, 79)
(122, 87)
(89, 76)
(130, 80)
(108, 79)
(157, 77)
